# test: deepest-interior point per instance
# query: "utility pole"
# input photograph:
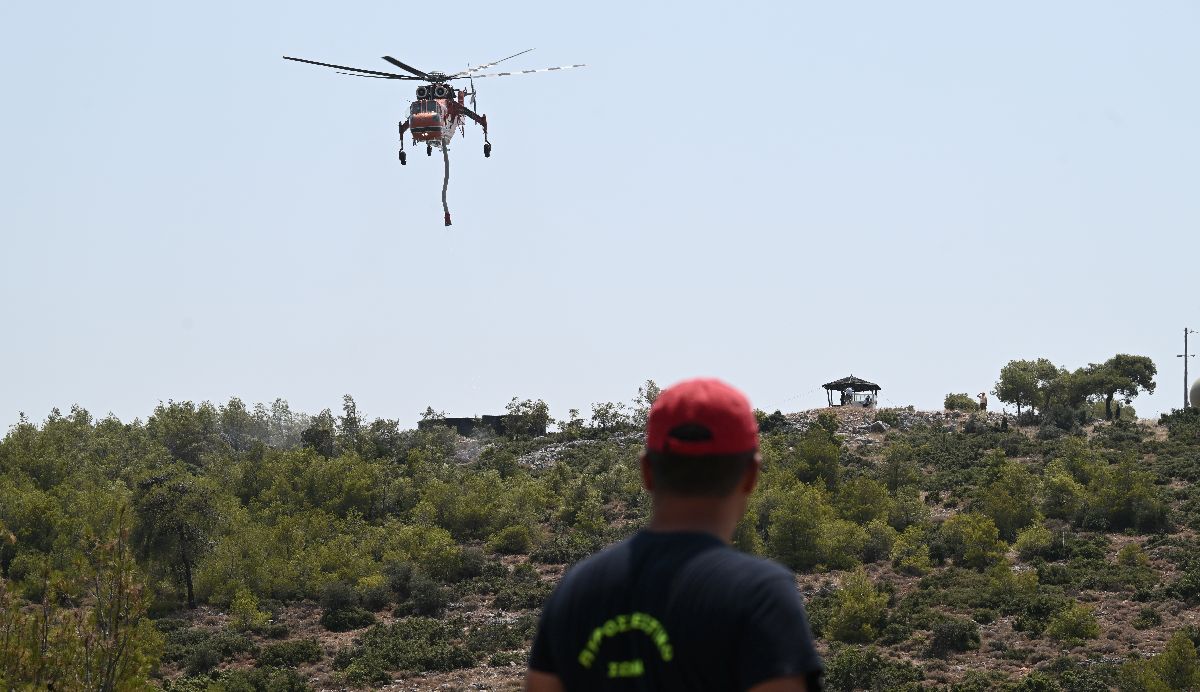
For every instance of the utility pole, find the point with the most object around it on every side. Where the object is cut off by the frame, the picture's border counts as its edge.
(1185, 357)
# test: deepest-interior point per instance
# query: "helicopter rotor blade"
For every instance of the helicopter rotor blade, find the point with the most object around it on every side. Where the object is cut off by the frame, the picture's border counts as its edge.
(381, 75)
(408, 68)
(487, 65)
(375, 76)
(512, 74)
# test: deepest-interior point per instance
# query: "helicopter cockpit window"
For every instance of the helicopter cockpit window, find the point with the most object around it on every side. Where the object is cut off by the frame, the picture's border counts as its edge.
(426, 107)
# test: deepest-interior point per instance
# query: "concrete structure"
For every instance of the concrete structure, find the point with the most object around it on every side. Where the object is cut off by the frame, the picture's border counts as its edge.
(467, 426)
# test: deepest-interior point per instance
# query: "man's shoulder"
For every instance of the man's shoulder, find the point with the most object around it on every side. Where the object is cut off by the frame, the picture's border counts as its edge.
(717, 563)
(612, 560)
(748, 570)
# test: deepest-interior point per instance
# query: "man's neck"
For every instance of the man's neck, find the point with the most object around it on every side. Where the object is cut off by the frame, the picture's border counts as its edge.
(701, 515)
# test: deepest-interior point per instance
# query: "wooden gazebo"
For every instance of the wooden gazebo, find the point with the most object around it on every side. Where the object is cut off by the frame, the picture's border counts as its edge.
(862, 393)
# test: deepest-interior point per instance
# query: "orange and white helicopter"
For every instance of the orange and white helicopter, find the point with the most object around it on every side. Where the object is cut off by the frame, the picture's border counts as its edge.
(439, 109)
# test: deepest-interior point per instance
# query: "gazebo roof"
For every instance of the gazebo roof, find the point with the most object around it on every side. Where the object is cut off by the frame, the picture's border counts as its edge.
(856, 383)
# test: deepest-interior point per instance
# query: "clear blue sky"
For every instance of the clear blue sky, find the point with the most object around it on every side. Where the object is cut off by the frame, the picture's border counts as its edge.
(775, 193)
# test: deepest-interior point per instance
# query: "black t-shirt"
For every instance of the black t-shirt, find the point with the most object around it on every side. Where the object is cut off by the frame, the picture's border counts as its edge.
(675, 611)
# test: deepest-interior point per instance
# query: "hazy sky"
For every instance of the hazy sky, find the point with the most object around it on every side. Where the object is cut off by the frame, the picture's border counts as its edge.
(779, 194)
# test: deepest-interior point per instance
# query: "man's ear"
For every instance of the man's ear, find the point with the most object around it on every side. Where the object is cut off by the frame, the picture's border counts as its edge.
(750, 478)
(647, 474)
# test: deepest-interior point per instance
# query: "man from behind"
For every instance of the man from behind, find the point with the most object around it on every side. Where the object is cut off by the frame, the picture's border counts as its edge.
(674, 607)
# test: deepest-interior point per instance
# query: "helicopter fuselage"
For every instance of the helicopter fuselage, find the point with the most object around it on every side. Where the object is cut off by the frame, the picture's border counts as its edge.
(434, 120)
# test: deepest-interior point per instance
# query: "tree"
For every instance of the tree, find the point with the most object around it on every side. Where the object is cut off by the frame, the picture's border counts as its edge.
(1011, 499)
(284, 426)
(350, 425)
(959, 402)
(177, 516)
(974, 540)
(862, 499)
(1074, 624)
(646, 395)
(859, 610)
(90, 630)
(794, 528)
(1122, 374)
(608, 416)
(240, 428)
(1024, 382)
(1177, 665)
(187, 431)
(527, 418)
(573, 426)
(319, 435)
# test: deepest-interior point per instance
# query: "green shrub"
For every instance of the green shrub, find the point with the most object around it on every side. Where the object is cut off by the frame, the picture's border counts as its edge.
(493, 637)
(954, 635)
(858, 611)
(1062, 495)
(244, 613)
(341, 610)
(1177, 665)
(973, 540)
(889, 416)
(1183, 425)
(511, 540)
(1073, 625)
(1036, 681)
(863, 668)
(524, 589)
(423, 596)
(908, 508)
(863, 500)
(202, 659)
(507, 659)
(1011, 499)
(258, 680)
(880, 539)
(352, 618)
(338, 595)
(841, 544)
(1035, 611)
(1034, 541)
(899, 468)
(199, 650)
(410, 645)
(984, 616)
(1146, 618)
(1132, 555)
(1050, 573)
(374, 592)
(768, 424)
(910, 553)
(803, 530)
(565, 547)
(290, 654)
(960, 402)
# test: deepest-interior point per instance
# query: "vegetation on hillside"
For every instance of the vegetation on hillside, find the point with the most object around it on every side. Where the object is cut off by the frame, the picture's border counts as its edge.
(229, 548)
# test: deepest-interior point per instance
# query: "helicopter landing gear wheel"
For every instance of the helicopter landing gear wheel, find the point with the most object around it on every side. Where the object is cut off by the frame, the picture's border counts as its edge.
(429, 150)
(403, 158)
(487, 150)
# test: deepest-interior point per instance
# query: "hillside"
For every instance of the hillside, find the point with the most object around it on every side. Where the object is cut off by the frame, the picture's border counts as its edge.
(937, 550)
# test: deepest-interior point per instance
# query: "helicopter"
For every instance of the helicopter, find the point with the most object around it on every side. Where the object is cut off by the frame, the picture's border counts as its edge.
(440, 109)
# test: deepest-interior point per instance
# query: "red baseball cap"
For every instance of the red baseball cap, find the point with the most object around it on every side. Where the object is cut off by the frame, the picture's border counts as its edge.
(701, 417)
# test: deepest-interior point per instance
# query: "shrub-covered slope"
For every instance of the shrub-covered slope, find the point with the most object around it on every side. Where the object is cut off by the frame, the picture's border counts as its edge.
(950, 550)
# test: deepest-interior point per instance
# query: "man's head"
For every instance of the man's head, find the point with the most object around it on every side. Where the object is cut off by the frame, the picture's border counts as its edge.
(701, 442)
